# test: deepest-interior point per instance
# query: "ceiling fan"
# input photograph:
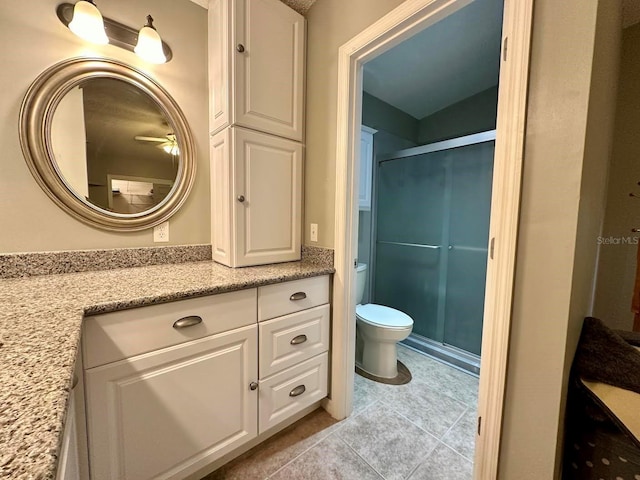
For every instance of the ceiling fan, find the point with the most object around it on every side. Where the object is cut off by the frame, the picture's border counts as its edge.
(169, 143)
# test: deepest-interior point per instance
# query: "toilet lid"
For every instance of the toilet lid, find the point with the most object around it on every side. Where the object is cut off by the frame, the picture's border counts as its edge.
(383, 316)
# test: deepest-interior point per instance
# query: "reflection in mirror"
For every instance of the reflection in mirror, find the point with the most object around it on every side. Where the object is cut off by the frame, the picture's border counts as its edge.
(113, 146)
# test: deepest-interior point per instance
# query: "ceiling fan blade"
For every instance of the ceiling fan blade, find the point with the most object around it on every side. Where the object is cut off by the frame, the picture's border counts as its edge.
(150, 139)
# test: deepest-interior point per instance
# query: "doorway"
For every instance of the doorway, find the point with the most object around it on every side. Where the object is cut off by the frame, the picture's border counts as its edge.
(403, 22)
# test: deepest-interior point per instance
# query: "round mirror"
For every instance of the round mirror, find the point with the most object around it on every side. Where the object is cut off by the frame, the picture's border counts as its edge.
(107, 144)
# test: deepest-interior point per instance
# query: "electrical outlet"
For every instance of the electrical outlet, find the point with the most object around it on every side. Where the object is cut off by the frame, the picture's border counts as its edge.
(161, 232)
(314, 232)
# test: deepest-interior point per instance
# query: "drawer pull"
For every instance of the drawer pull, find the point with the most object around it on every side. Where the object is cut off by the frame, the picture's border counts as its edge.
(187, 321)
(299, 390)
(298, 340)
(298, 296)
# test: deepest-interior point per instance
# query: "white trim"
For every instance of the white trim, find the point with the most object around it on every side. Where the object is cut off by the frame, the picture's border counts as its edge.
(510, 127)
(401, 23)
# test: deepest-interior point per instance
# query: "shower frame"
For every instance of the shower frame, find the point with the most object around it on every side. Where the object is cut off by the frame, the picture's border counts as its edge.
(455, 356)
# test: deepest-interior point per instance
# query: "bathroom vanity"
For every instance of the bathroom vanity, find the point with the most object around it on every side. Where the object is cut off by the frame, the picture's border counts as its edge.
(213, 359)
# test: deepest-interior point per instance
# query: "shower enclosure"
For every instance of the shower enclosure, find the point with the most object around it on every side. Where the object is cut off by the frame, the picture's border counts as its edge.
(431, 238)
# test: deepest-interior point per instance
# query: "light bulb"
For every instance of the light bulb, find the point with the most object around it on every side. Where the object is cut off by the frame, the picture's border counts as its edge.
(87, 23)
(171, 149)
(149, 45)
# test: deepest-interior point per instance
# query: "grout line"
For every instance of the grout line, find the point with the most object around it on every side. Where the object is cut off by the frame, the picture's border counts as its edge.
(305, 451)
(427, 457)
(451, 428)
(362, 458)
(456, 452)
(455, 422)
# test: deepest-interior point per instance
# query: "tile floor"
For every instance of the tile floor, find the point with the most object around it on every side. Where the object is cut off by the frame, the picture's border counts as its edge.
(422, 430)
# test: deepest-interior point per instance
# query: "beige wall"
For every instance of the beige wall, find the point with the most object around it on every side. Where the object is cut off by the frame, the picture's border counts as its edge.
(562, 200)
(331, 23)
(33, 39)
(617, 263)
(568, 139)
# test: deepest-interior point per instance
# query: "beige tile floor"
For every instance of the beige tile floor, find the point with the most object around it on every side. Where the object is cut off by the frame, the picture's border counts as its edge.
(421, 430)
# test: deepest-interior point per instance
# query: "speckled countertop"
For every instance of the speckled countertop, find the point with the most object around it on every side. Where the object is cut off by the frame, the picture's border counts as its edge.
(40, 320)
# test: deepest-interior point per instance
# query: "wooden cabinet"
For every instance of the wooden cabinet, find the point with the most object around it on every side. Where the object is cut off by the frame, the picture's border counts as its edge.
(255, 198)
(256, 66)
(366, 167)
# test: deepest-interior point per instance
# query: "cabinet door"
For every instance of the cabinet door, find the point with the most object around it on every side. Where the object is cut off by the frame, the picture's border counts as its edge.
(168, 413)
(268, 179)
(366, 167)
(269, 71)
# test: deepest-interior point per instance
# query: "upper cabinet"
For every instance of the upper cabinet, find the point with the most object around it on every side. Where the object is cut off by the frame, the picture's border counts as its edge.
(256, 67)
(366, 167)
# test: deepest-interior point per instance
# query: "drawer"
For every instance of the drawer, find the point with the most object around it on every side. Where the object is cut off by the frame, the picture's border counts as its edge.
(117, 335)
(290, 391)
(288, 340)
(290, 297)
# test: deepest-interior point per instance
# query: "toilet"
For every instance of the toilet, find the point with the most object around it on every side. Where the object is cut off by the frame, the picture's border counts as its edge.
(378, 330)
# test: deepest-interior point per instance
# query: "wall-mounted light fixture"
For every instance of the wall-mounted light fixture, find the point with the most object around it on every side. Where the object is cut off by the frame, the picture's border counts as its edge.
(84, 19)
(149, 46)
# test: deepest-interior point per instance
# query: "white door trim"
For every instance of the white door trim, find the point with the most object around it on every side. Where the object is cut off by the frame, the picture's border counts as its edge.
(398, 25)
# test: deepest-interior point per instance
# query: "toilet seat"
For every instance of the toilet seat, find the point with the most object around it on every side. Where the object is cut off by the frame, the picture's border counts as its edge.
(381, 316)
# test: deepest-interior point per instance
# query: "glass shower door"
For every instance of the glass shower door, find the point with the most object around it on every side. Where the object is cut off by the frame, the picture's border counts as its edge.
(431, 244)
(471, 179)
(410, 214)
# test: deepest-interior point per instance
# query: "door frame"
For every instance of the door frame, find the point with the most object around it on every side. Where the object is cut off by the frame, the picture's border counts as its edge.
(401, 23)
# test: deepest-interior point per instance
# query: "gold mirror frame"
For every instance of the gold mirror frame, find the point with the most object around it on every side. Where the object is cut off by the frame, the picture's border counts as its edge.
(36, 114)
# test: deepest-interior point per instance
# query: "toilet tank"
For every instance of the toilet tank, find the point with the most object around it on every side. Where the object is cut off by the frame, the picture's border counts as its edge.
(361, 280)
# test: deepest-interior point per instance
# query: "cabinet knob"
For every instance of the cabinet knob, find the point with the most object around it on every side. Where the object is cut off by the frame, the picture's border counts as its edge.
(253, 386)
(240, 48)
(241, 198)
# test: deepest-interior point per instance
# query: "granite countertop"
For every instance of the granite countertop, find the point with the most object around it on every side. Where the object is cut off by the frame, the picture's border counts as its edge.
(40, 321)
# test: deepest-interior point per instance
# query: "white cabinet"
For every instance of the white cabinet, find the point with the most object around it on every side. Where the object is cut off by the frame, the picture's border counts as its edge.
(366, 167)
(256, 81)
(170, 412)
(293, 348)
(256, 66)
(172, 388)
(168, 387)
(256, 201)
